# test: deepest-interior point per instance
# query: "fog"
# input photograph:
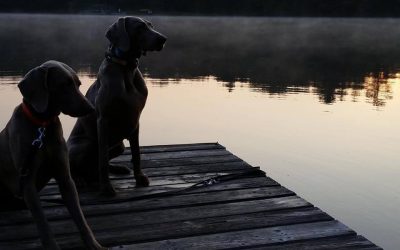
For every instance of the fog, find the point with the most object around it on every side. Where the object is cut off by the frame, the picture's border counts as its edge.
(272, 54)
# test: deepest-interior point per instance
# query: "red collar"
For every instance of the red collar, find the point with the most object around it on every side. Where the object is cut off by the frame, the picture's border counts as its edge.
(35, 120)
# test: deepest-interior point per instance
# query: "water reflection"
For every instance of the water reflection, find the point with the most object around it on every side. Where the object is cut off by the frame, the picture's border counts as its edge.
(335, 58)
(378, 88)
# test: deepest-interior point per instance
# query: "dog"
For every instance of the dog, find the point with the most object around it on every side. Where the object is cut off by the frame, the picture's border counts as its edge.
(33, 149)
(119, 95)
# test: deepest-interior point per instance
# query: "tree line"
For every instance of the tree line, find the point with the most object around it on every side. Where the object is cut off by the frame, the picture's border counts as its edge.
(294, 8)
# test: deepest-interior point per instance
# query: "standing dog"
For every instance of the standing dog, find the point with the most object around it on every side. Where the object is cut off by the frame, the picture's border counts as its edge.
(119, 95)
(33, 149)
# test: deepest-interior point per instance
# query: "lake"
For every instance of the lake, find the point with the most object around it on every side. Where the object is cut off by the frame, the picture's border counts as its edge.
(313, 101)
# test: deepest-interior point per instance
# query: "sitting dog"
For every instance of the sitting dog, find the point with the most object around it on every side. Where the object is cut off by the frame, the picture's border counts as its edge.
(119, 95)
(33, 149)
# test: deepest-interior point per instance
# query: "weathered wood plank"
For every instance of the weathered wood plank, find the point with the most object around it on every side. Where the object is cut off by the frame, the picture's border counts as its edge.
(185, 178)
(190, 169)
(190, 213)
(176, 147)
(158, 231)
(229, 196)
(137, 192)
(350, 242)
(184, 166)
(126, 233)
(176, 155)
(188, 161)
(52, 188)
(181, 170)
(26, 231)
(254, 237)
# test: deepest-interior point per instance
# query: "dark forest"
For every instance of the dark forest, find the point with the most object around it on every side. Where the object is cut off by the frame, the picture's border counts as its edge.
(294, 8)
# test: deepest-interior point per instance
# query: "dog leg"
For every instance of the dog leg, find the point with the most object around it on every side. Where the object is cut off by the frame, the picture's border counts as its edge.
(32, 201)
(140, 177)
(106, 189)
(114, 151)
(70, 196)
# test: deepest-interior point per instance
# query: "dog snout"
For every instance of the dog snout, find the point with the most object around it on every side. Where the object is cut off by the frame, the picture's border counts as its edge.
(84, 109)
(161, 39)
(78, 106)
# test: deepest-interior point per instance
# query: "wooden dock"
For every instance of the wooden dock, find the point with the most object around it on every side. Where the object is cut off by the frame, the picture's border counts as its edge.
(243, 210)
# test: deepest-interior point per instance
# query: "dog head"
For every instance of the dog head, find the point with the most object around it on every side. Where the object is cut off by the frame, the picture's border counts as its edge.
(135, 35)
(53, 87)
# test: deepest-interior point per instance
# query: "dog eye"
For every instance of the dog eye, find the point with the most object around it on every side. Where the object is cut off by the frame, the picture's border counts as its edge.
(140, 28)
(143, 26)
(146, 25)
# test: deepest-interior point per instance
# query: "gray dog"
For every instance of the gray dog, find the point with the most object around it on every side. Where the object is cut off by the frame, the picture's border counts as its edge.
(119, 95)
(33, 149)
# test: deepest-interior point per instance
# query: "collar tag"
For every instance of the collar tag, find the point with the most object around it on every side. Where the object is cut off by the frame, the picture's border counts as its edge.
(38, 142)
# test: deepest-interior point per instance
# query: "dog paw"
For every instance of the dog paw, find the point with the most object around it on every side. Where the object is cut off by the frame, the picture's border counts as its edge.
(99, 247)
(142, 180)
(107, 191)
(96, 246)
(119, 169)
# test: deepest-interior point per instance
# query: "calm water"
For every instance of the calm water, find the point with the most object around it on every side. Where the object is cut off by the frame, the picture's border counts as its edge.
(314, 102)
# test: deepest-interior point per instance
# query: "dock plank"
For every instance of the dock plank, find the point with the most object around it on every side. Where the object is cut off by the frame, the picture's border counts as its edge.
(143, 191)
(187, 161)
(181, 169)
(189, 169)
(128, 233)
(129, 183)
(176, 154)
(254, 237)
(332, 243)
(176, 147)
(60, 212)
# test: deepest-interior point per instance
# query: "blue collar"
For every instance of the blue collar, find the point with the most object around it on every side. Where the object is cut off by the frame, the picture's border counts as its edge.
(118, 52)
(116, 55)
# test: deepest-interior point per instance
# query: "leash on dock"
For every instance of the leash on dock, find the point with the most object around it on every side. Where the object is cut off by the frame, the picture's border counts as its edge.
(252, 172)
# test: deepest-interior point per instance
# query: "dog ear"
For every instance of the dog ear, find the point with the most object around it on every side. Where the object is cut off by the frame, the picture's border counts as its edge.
(118, 35)
(34, 88)
(70, 72)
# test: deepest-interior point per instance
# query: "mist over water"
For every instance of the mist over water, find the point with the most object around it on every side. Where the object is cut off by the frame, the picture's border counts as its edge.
(313, 101)
(274, 55)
